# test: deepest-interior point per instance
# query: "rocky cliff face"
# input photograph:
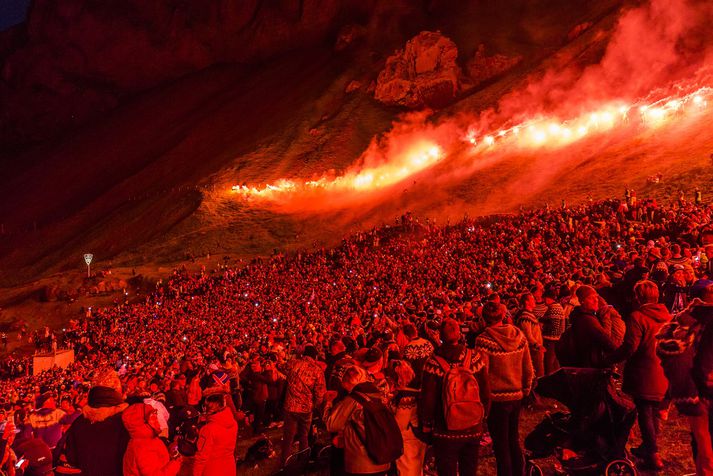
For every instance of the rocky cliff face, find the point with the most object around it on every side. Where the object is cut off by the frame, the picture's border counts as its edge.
(424, 73)
(80, 57)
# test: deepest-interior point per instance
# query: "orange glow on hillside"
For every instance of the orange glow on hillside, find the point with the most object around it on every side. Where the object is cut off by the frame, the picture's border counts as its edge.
(538, 132)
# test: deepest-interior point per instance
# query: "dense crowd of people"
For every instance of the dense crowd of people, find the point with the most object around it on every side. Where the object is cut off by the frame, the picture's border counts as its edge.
(434, 334)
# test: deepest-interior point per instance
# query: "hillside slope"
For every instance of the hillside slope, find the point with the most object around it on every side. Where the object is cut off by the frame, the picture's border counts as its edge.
(149, 182)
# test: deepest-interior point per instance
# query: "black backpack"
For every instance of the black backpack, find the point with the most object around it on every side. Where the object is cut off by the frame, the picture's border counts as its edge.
(382, 437)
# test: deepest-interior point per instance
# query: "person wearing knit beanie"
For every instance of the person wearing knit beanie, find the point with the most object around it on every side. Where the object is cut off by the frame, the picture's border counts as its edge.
(146, 454)
(107, 377)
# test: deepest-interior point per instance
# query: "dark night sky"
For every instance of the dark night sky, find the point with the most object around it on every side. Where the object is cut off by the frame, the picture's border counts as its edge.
(12, 12)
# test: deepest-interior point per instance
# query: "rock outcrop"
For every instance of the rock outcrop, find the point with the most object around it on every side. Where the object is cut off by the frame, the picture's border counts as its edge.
(424, 73)
(482, 68)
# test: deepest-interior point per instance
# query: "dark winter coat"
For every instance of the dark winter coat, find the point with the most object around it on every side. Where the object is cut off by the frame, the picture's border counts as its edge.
(643, 374)
(97, 440)
(586, 343)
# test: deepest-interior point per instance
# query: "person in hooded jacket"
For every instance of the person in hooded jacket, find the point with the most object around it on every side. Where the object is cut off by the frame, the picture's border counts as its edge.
(678, 342)
(644, 377)
(46, 420)
(146, 455)
(506, 355)
(97, 440)
(347, 417)
(216, 440)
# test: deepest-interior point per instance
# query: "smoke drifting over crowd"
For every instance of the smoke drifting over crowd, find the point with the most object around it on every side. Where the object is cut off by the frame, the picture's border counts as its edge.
(656, 70)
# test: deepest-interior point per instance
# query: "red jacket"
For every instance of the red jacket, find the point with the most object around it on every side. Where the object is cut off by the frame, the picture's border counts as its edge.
(146, 455)
(216, 446)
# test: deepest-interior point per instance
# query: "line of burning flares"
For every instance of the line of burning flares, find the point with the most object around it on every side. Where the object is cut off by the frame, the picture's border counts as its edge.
(535, 133)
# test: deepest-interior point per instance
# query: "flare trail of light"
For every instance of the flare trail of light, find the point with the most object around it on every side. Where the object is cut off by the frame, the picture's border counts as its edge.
(539, 132)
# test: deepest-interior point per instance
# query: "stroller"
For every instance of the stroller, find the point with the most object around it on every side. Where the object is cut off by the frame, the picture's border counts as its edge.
(591, 438)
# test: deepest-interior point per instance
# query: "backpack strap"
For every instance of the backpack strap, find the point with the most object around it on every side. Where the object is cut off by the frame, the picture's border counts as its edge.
(443, 363)
(362, 400)
(447, 366)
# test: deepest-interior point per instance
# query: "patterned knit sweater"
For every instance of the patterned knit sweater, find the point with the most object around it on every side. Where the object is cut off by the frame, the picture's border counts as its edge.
(553, 322)
(430, 408)
(416, 353)
(676, 346)
(505, 352)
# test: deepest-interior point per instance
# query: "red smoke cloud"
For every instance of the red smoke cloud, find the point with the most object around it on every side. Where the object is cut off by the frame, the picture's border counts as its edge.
(657, 50)
(653, 47)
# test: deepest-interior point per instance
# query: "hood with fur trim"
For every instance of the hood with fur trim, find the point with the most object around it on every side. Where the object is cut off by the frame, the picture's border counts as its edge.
(95, 415)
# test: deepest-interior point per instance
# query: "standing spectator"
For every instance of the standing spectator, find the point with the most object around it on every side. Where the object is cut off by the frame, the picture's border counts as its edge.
(146, 455)
(273, 380)
(347, 418)
(416, 352)
(553, 325)
(97, 440)
(644, 377)
(507, 358)
(216, 439)
(675, 291)
(530, 327)
(540, 307)
(71, 412)
(7, 440)
(256, 391)
(611, 321)
(676, 256)
(305, 392)
(337, 352)
(586, 343)
(456, 451)
(177, 396)
(678, 342)
(157, 401)
(405, 407)
(46, 420)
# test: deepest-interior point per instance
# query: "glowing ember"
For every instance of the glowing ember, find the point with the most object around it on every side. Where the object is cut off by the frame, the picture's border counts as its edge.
(540, 132)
